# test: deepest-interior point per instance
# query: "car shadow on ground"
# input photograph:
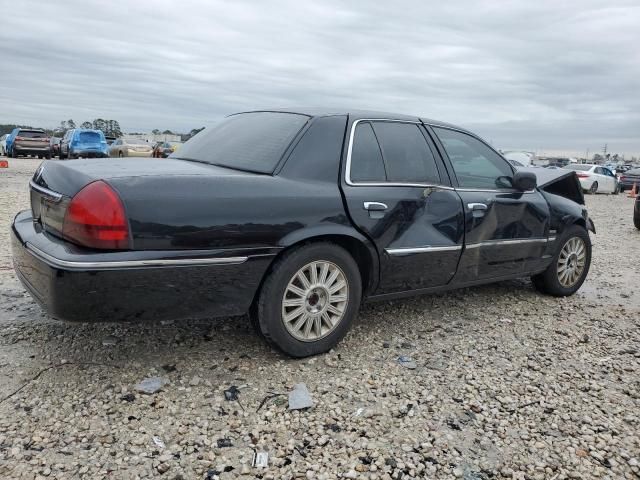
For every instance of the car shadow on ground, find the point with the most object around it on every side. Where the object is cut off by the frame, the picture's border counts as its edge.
(221, 340)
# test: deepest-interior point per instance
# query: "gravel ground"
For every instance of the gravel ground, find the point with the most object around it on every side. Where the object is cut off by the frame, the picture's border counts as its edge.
(509, 384)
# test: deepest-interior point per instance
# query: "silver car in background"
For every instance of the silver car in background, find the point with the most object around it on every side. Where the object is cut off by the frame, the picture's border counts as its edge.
(131, 147)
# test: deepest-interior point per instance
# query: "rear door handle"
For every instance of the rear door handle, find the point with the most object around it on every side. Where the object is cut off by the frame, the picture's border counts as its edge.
(375, 206)
(474, 207)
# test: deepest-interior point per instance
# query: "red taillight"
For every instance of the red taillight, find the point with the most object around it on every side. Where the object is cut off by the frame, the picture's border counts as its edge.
(623, 177)
(19, 138)
(96, 218)
(583, 175)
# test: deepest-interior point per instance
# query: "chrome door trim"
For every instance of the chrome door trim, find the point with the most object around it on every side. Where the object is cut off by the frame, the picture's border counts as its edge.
(53, 196)
(174, 262)
(425, 249)
(510, 241)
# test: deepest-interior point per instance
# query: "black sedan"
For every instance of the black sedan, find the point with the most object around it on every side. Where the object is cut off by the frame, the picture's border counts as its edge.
(295, 218)
(630, 178)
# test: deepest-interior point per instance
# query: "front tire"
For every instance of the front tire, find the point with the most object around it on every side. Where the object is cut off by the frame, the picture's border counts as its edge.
(570, 265)
(594, 188)
(309, 299)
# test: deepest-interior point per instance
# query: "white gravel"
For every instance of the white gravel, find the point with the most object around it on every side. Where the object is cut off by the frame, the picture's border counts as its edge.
(508, 384)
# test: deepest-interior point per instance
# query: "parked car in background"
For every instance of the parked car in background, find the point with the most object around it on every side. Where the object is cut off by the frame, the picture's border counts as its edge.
(630, 178)
(523, 158)
(30, 141)
(164, 149)
(3, 144)
(515, 163)
(594, 178)
(54, 146)
(123, 147)
(9, 141)
(295, 217)
(83, 142)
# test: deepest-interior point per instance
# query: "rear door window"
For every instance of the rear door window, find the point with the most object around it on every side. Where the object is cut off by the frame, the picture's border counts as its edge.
(366, 158)
(406, 153)
(474, 163)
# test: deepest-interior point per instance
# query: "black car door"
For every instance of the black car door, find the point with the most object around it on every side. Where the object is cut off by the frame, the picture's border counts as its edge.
(398, 194)
(506, 230)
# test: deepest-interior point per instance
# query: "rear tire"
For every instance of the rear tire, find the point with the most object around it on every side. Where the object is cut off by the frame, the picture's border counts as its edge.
(120, 155)
(320, 310)
(570, 265)
(594, 188)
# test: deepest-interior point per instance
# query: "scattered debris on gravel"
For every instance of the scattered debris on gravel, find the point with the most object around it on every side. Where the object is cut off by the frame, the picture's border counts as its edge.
(507, 384)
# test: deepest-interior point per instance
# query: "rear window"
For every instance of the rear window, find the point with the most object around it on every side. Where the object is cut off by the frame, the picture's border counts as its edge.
(248, 141)
(581, 168)
(135, 141)
(89, 137)
(31, 134)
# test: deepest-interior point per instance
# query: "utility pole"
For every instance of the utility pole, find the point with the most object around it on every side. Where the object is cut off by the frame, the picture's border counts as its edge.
(604, 150)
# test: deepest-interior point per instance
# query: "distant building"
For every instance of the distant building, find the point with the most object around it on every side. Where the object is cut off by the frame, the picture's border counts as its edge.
(152, 138)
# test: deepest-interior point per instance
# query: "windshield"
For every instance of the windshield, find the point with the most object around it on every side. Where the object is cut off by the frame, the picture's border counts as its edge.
(89, 137)
(581, 168)
(249, 141)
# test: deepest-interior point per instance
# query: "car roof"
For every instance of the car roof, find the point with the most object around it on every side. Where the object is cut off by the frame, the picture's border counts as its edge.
(358, 115)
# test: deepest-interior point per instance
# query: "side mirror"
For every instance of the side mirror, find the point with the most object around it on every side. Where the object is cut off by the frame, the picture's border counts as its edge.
(524, 181)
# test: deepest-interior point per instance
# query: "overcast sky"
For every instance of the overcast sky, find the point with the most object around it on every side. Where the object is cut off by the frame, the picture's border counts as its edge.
(542, 75)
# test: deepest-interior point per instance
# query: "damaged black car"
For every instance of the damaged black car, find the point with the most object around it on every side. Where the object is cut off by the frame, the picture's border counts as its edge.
(295, 217)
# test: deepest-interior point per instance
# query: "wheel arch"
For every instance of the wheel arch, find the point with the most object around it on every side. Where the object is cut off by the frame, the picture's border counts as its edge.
(359, 247)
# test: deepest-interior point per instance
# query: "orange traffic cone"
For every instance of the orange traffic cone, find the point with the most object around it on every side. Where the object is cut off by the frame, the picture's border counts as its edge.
(634, 191)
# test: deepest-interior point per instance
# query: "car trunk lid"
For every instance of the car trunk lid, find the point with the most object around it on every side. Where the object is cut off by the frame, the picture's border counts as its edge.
(55, 183)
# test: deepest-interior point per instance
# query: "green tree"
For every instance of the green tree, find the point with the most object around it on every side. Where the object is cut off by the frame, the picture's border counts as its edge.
(99, 124)
(86, 125)
(71, 124)
(167, 132)
(155, 131)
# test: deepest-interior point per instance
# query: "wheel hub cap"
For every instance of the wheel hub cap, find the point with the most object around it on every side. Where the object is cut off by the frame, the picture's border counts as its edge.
(571, 262)
(315, 300)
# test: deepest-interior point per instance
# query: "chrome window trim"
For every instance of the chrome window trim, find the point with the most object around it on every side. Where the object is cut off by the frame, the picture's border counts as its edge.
(55, 196)
(186, 262)
(425, 249)
(347, 171)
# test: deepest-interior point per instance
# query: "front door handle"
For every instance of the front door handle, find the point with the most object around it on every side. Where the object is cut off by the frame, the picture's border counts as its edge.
(474, 207)
(375, 206)
(478, 210)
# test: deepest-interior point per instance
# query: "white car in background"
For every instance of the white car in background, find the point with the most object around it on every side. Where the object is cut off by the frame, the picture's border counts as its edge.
(519, 158)
(594, 178)
(3, 144)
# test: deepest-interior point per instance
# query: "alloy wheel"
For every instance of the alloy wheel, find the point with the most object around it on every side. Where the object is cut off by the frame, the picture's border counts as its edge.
(315, 300)
(571, 262)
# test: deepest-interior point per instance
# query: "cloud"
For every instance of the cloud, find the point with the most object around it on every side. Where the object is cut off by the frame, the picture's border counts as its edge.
(537, 75)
